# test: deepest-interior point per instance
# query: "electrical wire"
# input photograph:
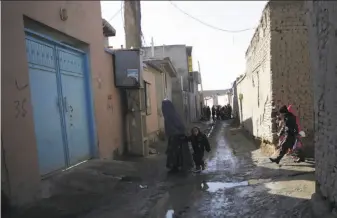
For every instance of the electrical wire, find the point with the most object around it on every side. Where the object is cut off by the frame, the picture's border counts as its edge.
(143, 38)
(114, 15)
(209, 25)
(122, 14)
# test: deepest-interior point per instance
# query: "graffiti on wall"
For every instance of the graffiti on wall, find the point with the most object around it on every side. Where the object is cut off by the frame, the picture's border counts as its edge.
(109, 103)
(20, 104)
(20, 109)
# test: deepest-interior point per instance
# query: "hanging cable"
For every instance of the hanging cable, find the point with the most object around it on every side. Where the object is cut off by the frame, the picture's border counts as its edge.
(114, 15)
(206, 24)
(122, 14)
(143, 38)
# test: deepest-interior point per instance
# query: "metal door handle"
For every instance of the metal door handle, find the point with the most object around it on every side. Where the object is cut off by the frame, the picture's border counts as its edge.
(65, 104)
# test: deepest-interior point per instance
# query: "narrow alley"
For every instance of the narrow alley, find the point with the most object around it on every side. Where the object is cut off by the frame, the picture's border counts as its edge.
(229, 111)
(239, 182)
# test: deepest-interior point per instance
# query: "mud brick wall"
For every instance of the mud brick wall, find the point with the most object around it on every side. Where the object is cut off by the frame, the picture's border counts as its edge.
(322, 23)
(277, 71)
(291, 73)
(256, 106)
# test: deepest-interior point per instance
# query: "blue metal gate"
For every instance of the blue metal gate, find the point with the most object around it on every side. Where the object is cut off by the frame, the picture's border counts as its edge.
(58, 96)
(76, 115)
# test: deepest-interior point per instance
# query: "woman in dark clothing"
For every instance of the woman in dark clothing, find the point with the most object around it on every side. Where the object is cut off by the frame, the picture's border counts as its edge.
(229, 108)
(218, 112)
(178, 153)
(208, 113)
(222, 113)
(289, 131)
(200, 144)
(213, 112)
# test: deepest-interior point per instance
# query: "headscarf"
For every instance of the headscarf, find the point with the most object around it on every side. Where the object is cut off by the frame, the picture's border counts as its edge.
(283, 109)
(291, 110)
(197, 129)
(172, 120)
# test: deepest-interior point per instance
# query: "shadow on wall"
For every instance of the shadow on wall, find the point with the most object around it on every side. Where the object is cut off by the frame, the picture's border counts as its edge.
(236, 110)
(248, 125)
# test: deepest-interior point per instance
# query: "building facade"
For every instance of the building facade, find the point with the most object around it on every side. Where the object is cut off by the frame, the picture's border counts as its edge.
(59, 103)
(184, 86)
(164, 74)
(152, 119)
(322, 22)
(157, 75)
(277, 71)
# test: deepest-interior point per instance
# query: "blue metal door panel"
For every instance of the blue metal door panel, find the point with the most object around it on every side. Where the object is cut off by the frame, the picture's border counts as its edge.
(71, 66)
(46, 106)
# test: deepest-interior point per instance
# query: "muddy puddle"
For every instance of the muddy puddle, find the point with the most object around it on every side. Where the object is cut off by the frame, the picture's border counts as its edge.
(217, 186)
(175, 203)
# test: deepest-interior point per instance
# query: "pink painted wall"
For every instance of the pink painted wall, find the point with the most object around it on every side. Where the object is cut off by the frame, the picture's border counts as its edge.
(84, 23)
(151, 119)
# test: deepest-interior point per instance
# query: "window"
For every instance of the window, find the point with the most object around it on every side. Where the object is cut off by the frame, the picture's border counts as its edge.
(147, 98)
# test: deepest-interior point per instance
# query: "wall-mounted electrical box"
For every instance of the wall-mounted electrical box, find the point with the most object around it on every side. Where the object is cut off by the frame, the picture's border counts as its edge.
(128, 66)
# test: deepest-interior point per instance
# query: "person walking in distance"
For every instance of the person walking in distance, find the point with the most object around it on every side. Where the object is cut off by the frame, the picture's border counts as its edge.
(208, 113)
(213, 112)
(290, 132)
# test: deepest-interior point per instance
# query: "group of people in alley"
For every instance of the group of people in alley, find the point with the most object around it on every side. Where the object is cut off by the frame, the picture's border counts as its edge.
(178, 153)
(217, 112)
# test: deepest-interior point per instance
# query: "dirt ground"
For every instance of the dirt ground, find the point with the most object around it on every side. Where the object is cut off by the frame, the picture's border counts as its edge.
(239, 182)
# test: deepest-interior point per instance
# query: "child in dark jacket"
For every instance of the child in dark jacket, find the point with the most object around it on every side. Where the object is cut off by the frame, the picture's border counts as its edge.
(200, 144)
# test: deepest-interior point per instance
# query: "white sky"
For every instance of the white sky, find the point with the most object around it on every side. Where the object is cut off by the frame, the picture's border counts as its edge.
(221, 54)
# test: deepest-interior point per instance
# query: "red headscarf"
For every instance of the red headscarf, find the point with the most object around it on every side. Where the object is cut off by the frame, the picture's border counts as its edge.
(291, 110)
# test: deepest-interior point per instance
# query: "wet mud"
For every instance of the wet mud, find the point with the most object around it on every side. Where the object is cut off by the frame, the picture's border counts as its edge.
(239, 182)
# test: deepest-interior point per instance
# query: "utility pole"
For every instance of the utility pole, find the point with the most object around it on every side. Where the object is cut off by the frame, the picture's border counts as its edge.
(136, 116)
(132, 24)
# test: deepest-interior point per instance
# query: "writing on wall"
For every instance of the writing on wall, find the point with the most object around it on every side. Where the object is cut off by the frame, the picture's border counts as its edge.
(20, 104)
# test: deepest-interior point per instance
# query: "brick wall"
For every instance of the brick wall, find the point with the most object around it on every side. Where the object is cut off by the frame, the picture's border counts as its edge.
(323, 52)
(255, 86)
(291, 75)
(277, 71)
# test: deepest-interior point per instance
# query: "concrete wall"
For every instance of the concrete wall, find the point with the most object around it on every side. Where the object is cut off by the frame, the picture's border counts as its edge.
(152, 118)
(291, 73)
(108, 111)
(322, 22)
(18, 138)
(178, 56)
(169, 80)
(235, 101)
(163, 90)
(246, 104)
(160, 95)
(178, 102)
